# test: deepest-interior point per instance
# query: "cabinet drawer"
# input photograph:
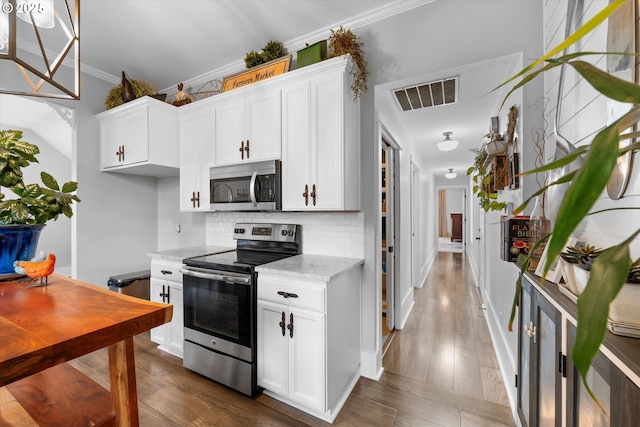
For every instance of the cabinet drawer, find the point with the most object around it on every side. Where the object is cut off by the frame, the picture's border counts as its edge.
(166, 271)
(291, 293)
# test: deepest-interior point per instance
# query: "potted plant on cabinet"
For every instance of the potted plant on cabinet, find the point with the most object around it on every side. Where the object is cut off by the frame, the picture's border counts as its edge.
(612, 266)
(23, 216)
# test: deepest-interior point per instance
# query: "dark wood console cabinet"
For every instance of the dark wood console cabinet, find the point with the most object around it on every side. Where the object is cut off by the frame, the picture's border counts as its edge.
(456, 227)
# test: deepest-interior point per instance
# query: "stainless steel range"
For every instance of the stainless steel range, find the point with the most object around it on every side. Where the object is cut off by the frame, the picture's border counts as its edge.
(220, 299)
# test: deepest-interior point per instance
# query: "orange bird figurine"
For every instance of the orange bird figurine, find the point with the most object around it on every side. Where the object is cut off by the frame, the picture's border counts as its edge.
(39, 269)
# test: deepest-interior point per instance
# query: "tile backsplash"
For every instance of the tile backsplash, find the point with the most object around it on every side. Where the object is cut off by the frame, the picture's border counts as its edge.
(323, 233)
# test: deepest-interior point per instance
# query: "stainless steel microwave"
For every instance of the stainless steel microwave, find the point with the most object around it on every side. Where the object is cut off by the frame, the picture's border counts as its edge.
(246, 187)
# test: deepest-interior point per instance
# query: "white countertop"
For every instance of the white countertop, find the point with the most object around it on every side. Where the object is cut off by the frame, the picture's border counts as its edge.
(315, 267)
(181, 253)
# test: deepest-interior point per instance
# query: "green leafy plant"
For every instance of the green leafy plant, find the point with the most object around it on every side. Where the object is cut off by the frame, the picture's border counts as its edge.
(272, 50)
(584, 256)
(343, 41)
(35, 204)
(114, 97)
(612, 266)
(482, 179)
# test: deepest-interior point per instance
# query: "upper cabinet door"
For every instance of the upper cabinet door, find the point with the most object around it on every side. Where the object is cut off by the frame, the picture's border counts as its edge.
(248, 129)
(197, 137)
(328, 142)
(320, 144)
(296, 145)
(136, 136)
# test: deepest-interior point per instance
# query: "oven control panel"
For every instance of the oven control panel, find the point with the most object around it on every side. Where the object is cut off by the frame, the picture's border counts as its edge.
(267, 232)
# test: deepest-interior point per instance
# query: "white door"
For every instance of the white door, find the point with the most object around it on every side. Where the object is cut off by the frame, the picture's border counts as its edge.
(296, 145)
(415, 225)
(136, 135)
(230, 132)
(388, 237)
(176, 327)
(157, 289)
(327, 142)
(264, 127)
(272, 349)
(306, 357)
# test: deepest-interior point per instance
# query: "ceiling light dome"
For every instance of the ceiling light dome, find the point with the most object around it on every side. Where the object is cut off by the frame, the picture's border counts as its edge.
(451, 174)
(447, 144)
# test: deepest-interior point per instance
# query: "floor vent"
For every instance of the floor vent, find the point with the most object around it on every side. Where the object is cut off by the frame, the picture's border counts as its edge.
(424, 95)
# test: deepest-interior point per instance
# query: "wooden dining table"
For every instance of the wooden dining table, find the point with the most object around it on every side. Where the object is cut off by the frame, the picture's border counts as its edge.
(43, 327)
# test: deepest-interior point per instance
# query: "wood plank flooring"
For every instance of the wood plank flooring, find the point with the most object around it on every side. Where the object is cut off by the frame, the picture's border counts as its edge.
(440, 370)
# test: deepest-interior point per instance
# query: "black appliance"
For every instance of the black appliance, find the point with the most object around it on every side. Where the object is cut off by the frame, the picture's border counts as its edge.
(220, 300)
(246, 187)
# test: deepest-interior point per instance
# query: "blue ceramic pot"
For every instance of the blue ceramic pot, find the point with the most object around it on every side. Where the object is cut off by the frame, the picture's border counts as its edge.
(17, 242)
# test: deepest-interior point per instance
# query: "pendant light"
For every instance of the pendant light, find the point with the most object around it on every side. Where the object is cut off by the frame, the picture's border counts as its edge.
(451, 174)
(447, 144)
(40, 48)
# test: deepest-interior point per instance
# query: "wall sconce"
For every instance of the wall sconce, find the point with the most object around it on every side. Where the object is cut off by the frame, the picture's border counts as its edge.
(40, 52)
(447, 144)
(451, 174)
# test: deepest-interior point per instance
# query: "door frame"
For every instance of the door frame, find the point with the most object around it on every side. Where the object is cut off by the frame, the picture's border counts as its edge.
(385, 137)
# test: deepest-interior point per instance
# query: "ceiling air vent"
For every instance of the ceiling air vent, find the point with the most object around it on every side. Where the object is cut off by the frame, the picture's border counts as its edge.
(430, 94)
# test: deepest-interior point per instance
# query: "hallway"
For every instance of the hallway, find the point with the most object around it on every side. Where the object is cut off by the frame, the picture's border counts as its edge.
(442, 364)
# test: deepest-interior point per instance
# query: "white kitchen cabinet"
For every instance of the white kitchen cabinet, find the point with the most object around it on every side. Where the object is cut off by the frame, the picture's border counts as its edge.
(309, 340)
(321, 142)
(140, 137)
(292, 362)
(197, 137)
(166, 287)
(248, 128)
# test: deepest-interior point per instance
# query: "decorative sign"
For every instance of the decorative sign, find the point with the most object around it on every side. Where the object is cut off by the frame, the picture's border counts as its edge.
(257, 74)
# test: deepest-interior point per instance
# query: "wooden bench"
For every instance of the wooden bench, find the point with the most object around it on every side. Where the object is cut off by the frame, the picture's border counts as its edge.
(60, 396)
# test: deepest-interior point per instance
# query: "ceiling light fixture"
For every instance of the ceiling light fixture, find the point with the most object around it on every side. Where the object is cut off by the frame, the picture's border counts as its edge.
(36, 46)
(447, 144)
(451, 174)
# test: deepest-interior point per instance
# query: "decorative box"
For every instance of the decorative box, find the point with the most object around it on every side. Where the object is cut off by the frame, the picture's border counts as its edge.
(312, 54)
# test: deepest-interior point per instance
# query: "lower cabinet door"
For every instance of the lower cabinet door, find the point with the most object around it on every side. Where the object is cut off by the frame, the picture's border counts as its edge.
(272, 347)
(175, 331)
(157, 290)
(307, 358)
(291, 353)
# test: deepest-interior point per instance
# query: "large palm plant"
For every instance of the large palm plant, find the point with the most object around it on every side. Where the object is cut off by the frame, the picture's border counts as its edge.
(610, 270)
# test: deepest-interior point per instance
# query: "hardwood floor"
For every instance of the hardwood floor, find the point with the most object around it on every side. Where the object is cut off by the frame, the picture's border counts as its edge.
(440, 370)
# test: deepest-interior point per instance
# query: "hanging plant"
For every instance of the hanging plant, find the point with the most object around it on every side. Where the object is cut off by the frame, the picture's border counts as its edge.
(342, 42)
(483, 179)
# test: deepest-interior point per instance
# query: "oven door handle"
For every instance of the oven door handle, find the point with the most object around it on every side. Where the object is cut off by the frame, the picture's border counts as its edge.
(237, 279)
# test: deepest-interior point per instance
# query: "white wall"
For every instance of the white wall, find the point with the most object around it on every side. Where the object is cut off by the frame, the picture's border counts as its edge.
(454, 204)
(191, 225)
(584, 113)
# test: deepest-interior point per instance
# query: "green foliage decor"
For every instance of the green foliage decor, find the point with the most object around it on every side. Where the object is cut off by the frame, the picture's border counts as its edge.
(272, 50)
(114, 97)
(613, 265)
(482, 177)
(341, 42)
(35, 204)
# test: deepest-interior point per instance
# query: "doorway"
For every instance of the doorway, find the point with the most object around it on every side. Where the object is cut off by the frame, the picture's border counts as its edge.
(387, 243)
(451, 219)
